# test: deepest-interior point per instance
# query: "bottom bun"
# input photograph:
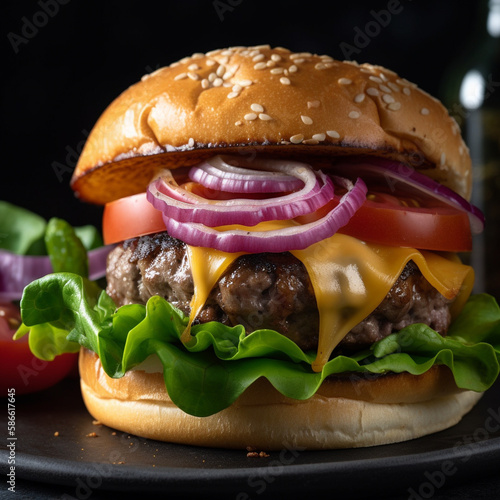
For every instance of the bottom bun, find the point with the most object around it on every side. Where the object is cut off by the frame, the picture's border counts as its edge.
(263, 419)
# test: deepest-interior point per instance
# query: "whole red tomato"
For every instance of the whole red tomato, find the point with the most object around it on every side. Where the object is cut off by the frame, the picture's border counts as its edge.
(19, 368)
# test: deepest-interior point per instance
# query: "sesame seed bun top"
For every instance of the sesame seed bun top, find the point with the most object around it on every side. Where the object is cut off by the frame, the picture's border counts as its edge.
(270, 101)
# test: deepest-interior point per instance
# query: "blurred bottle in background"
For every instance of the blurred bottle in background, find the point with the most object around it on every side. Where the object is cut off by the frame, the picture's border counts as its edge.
(472, 94)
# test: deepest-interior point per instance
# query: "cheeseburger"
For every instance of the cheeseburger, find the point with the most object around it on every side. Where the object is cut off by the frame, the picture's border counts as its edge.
(285, 271)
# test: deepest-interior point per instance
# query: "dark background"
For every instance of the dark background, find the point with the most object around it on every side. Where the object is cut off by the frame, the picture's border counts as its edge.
(65, 60)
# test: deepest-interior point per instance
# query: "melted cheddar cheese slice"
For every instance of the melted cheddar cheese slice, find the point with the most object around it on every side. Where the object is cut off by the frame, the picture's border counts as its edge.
(350, 279)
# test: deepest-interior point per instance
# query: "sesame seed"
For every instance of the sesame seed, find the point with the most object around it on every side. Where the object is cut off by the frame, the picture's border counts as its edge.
(227, 52)
(319, 137)
(220, 70)
(424, 111)
(359, 98)
(375, 79)
(232, 95)
(238, 123)
(344, 81)
(277, 71)
(354, 114)
(180, 76)
(258, 57)
(237, 88)
(270, 64)
(443, 158)
(318, 65)
(297, 138)
(210, 62)
(293, 68)
(205, 83)
(406, 91)
(245, 83)
(387, 98)
(227, 75)
(306, 119)
(250, 116)
(299, 60)
(212, 77)
(264, 116)
(394, 106)
(224, 60)
(257, 108)
(193, 67)
(310, 141)
(260, 65)
(191, 142)
(193, 76)
(393, 86)
(383, 77)
(372, 91)
(284, 80)
(276, 57)
(313, 104)
(385, 88)
(333, 133)
(198, 55)
(217, 82)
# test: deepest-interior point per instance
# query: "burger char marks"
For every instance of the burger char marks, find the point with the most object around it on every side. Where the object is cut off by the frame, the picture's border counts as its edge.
(264, 291)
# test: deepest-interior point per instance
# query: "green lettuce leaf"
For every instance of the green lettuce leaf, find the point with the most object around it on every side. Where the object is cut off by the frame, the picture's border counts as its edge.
(208, 373)
(21, 231)
(25, 233)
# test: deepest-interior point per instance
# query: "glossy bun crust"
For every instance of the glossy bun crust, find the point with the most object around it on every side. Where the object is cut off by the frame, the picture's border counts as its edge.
(248, 100)
(343, 414)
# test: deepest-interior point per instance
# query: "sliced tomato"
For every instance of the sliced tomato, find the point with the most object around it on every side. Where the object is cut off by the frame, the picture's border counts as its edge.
(383, 219)
(387, 220)
(19, 368)
(441, 229)
(130, 217)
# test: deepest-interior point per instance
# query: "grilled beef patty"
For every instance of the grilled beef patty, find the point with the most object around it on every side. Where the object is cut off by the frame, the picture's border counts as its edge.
(264, 291)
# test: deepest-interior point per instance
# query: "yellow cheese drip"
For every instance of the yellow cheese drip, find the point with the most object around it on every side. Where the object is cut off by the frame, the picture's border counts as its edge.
(207, 266)
(350, 279)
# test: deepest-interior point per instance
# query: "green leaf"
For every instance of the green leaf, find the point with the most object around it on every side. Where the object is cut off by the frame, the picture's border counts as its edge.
(208, 373)
(66, 251)
(89, 236)
(21, 231)
(24, 233)
(47, 341)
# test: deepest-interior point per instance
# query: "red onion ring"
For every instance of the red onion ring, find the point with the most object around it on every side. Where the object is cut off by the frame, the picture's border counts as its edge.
(176, 203)
(220, 175)
(17, 271)
(291, 238)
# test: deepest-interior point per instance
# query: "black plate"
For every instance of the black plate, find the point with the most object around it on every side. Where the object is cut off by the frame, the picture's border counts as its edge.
(82, 466)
